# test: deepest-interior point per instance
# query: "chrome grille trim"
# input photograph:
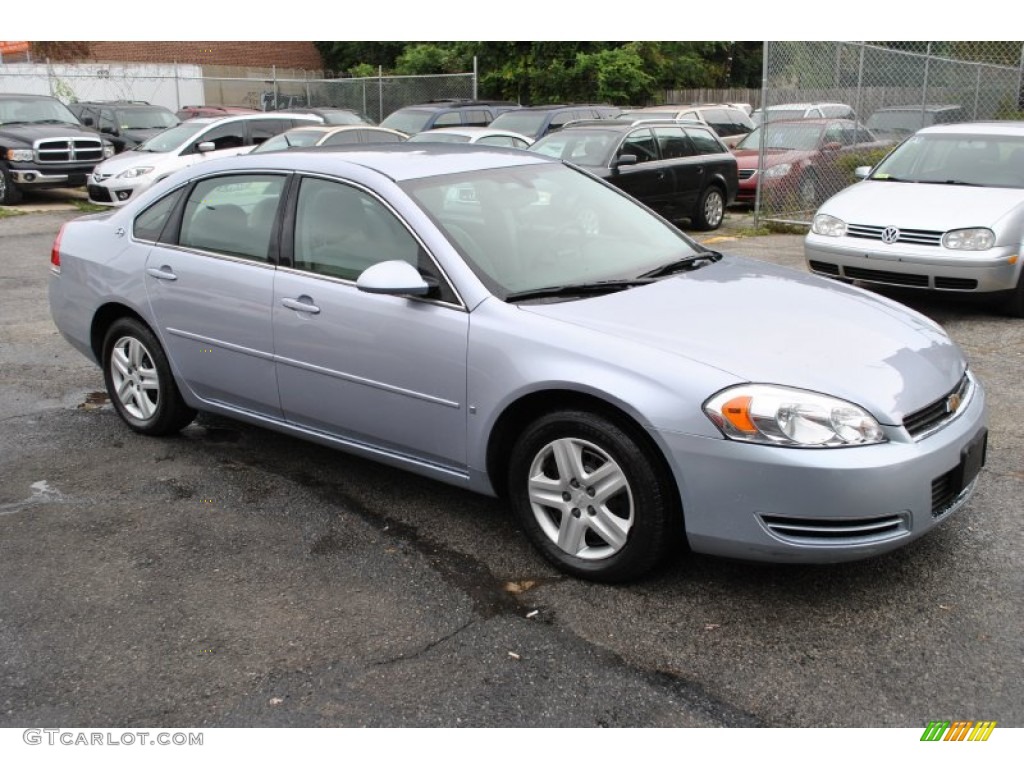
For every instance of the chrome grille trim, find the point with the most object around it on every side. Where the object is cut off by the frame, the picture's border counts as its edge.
(68, 150)
(826, 532)
(746, 173)
(910, 236)
(934, 416)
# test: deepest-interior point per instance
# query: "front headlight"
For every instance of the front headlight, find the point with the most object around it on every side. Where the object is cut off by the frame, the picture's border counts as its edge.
(775, 415)
(133, 173)
(976, 239)
(20, 155)
(778, 170)
(108, 150)
(823, 224)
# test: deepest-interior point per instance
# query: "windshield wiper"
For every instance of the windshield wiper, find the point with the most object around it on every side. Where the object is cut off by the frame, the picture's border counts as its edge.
(577, 289)
(684, 264)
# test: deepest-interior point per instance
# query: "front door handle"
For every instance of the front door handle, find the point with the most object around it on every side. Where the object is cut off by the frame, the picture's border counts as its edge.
(302, 304)
(164, 273)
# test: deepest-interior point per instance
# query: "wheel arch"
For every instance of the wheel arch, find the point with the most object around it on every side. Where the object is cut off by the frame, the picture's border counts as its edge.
(518, 414)
(106, 316)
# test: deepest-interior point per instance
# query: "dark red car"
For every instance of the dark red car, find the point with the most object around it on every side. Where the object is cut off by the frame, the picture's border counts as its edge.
(803, 160)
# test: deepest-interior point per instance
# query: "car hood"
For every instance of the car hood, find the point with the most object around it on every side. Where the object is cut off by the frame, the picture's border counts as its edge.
(131, 159)
(29, 132)
(937, 207)
(769, 324)
(139, 135)
(747, 158)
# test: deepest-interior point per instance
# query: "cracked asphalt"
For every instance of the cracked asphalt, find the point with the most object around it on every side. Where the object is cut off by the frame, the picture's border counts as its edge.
(232, 576)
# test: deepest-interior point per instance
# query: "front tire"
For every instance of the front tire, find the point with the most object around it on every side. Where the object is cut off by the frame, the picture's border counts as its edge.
(710, 209)
(1013, 305)
(139, 380)
(9, 194)
(591, 497)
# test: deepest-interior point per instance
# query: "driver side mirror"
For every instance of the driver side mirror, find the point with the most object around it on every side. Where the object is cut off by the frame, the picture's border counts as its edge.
(624, 160)
(862, 171)
(88, 122)
(206, 146)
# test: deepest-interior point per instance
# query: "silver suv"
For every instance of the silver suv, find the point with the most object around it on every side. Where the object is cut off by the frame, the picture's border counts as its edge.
(729, 121)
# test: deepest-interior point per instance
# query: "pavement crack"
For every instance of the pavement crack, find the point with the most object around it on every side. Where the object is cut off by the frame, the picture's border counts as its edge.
(426, 648)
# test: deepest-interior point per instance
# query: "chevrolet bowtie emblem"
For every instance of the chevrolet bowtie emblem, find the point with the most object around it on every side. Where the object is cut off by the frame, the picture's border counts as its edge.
(953, 403)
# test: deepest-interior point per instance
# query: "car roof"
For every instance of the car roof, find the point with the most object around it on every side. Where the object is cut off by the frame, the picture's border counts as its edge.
(805, 105)
(39, 96)
(919, 108)
(399, 162)
(473, 130)
(994, 128)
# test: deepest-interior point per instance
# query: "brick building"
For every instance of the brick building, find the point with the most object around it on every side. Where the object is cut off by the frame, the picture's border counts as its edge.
(239, 53)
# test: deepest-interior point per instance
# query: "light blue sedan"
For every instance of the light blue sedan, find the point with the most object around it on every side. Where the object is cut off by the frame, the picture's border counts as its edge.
(509, 324)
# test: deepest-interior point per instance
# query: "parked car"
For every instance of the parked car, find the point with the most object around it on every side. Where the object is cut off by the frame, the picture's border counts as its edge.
(896, 123)
(509, 324)
(803, 159)
(337, 115)
(679, 170)
(804, 111)
(943, 212)
(43, 146)
(730, 122)
(330, 136)
(212, 110)
(116, 181)
(472, 134)
(125, 124)
(439, 114)
(536, 122)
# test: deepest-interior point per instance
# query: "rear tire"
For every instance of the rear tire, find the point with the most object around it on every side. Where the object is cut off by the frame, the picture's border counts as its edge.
(1014, 303)
(139, 380)
(710, 209)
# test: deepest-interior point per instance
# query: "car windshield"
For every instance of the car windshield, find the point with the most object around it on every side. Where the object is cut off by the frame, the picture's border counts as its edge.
(542, 226)
(289, 139)
(407, 120)
(141, 119)
(447, 138)
(172, 138)
(985, 161)
(520, 121)
(35, 111)
(344, 117)
(785, 136)
(588, 148)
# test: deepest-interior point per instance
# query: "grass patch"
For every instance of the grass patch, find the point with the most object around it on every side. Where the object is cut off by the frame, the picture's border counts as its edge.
(86, 207)
(6, 213)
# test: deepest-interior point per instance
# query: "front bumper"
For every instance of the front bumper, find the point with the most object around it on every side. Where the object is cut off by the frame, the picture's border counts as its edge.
(114, 191)
(47, 177)
(827, 505)
(914, 266)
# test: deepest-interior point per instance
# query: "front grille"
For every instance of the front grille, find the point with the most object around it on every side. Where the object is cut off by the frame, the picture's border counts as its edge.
(956, 283)
(828, 269)
(910, 236)
(69, 150)
(938, 413)
(825, 531)
(99, 194)
(746, 173)
(882, 276)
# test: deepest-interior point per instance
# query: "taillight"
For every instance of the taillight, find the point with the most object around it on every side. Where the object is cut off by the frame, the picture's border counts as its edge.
(55, 251)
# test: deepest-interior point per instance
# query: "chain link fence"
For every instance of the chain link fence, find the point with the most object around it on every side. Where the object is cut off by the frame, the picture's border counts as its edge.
(891, 89)
(177, 85)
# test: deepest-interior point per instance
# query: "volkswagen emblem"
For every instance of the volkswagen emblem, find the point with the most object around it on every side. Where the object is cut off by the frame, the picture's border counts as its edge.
(953, 403)
(890, 235)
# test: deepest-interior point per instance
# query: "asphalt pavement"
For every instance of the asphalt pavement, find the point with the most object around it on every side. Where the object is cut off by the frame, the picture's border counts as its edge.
(232, 576)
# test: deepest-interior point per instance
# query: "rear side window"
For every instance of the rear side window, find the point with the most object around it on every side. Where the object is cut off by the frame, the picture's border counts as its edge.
(704, 142)
(150, 223)
(233, 215)
(476, 117)
(673, 143)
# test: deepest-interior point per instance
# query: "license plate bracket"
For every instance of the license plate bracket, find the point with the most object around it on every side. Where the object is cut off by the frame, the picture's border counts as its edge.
(972, 459)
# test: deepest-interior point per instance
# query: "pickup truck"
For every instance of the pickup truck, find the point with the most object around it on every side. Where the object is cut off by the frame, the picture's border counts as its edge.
(43, 146)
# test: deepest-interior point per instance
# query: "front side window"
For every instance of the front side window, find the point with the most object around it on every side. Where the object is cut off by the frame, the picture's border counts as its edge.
(641, 144)
(340, 231)
(229, 136)
(447, 118)
(232, 215)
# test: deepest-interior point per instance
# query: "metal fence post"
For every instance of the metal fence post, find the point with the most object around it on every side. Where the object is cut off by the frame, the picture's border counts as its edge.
(273, 76)
(475, 79)
(860, 80)
(177, 88)
(380, 91)
(924, 87)
(764, 130)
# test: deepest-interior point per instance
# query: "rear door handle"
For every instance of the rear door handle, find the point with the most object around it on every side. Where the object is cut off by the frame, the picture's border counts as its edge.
(164, 273)
(302, 304)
